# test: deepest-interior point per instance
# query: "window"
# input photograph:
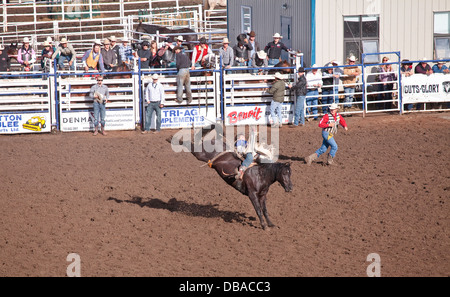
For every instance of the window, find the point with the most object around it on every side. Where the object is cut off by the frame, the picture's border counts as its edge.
(361, 35)
(246, 17)
(442, 35)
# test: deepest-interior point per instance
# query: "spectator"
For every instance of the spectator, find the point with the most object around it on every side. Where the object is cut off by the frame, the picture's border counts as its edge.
(200, 54)
(126, 52)
(183, 76)
(46, 56)
(255, 45)
(423, 68)
(242, 51)
(337, 74)
(5, 60)
(407, 71)
(116, 48)
(155, 58)
(65, 52)
(274, 48)
(109, 55)
(351, 73)
(26, 56)
(300, 88)
(144, 55)
(167, 54)
(93, 59)
(226, 53)
(277, 90)
(50, 41)
(314, 79)
(328, 89)
(329, 125)
(440, 67)
(154, 96)
(100, 93)
(179, 42)
(259, 60)
(387, 79)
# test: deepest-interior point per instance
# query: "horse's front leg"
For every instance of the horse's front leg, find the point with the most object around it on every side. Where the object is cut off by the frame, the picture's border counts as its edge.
(262, 202)
(255, 201)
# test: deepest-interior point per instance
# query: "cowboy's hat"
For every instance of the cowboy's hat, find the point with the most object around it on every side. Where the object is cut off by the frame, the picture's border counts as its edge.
(334, 106)
(63, 40)
(278, 75)
(251, 34)
(155, 76)
(262, 54)
(225, 40)
(277, 35)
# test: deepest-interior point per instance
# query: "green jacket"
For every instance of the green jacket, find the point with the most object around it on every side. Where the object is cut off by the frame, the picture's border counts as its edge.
(277, 90)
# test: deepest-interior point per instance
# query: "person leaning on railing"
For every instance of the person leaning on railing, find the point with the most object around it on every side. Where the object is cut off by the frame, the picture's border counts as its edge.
(65, 52)
(351, 72)
(440, 67)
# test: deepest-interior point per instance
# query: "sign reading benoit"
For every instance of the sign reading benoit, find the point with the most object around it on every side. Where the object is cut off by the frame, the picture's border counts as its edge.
(256, 114)
(426, 88)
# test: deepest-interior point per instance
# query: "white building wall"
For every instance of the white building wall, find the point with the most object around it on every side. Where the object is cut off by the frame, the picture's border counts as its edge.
(405, 26)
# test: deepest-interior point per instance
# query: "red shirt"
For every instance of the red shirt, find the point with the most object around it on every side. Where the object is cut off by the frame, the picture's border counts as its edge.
(324, 121)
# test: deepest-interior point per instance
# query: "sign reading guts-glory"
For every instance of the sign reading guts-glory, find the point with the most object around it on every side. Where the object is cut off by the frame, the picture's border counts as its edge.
(426, 88)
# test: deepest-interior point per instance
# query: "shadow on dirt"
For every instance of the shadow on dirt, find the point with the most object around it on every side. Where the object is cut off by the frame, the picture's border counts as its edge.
(189, 209)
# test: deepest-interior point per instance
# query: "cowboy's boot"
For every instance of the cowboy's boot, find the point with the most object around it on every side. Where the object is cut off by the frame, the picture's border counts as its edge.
(311, 158)
(241, 172)
(96, 131)
(103, 131)
(330, 160)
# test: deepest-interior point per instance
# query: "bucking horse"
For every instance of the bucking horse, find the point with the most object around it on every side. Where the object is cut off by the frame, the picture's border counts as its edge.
(256, 180)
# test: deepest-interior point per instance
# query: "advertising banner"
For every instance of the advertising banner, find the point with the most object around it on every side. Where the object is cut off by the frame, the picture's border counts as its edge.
(426, 88)
(14, 123)
(185, 117)
(258, 114)
(84, 120)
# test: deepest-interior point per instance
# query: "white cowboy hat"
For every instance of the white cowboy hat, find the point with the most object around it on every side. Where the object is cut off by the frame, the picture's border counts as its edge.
(155, 76)
(334, 106)
(46, 43)
(225, 40)
(352, 58)
(262, 54)
(63, 40)
(277, 35)
(335, 62)
(180, 38)
(113, 38)
(106, 41)
(49, 39)
(125, 39)
(97, 41)
(26, 40)
(278, 75)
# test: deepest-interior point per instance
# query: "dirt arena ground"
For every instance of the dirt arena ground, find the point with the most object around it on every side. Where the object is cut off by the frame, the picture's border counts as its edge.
(130, 206)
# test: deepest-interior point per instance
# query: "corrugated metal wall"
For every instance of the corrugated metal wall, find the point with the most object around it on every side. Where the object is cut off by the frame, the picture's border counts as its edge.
(267, 21)
(405, 26)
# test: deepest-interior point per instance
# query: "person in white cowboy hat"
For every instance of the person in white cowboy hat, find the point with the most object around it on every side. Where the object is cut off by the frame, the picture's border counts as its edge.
(274, 48)
(329, 124)
(93, 59)
(5, 60)
(115, 47)
(108, 54)
(46, 55)
(126, 52)
(226, 54)
(155, 98)
(277, 90)
(351, 74)
(259, 60)
(26, 56)
(65, 52)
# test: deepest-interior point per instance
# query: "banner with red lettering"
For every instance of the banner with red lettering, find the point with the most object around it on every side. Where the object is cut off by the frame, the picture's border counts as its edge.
(256, 114)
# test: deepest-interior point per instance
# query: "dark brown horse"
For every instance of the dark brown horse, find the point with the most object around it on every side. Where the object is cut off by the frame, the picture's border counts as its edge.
(283, 63)
(256, 180)
(153, 29)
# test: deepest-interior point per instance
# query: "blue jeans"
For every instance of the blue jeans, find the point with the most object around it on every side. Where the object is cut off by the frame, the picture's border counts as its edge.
(153, 107)
(99, 113)
(349, 92)
(273, 62)
(314, 100)
(248, 160)
(326, 144)
(275, 111)
(65, 58)
(299, 115)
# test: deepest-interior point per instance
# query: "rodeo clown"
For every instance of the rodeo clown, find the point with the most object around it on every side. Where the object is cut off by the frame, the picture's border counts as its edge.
(329, 125)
